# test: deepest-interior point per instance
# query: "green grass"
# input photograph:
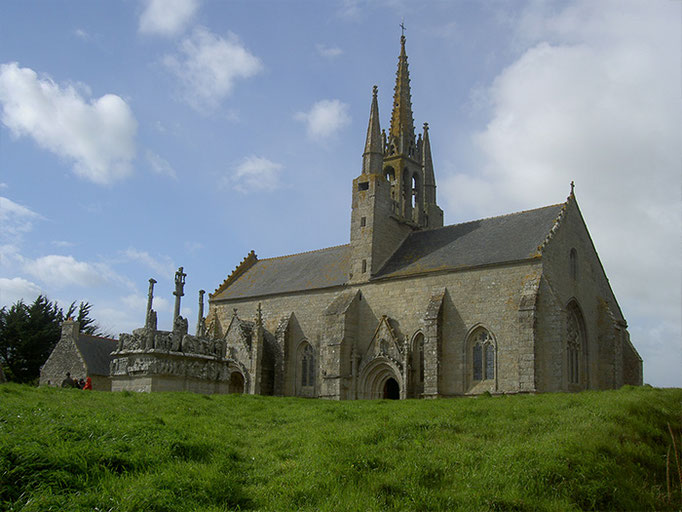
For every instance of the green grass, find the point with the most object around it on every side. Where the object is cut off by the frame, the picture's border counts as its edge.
(74, 450)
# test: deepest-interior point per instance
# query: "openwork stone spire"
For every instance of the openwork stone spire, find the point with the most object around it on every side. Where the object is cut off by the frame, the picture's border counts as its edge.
(427, 164)
(373, 156)
(401, 138)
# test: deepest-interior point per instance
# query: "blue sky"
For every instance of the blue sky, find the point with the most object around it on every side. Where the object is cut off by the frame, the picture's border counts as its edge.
(137, 136)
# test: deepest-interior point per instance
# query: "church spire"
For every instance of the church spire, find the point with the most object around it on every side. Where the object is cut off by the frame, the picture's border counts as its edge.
(372, 158)
(401, 139)
(427, 164)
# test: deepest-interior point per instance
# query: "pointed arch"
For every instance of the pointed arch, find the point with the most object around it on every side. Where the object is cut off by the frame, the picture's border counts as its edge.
(407, 192)
(237, 383)
(416, 196)
(375, 376)
(481, 360)
(238, 379)
(576, 348)
(306, 369)
(417, 365)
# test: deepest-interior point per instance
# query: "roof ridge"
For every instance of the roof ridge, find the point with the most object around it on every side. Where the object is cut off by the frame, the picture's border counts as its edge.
(503, 215)
(96, 336)
(304, 252)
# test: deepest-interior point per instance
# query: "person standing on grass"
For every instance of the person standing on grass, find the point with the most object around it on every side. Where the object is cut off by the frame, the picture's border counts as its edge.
(68, 381)
(88, 384)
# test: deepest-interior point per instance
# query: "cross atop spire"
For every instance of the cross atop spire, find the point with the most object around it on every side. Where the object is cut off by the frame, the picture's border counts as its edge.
(402, 28)
(401, 138)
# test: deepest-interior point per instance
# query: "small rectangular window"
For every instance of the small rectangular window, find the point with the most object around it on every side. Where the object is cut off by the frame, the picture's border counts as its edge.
(364, 266)
(363, 222)
(363, 185)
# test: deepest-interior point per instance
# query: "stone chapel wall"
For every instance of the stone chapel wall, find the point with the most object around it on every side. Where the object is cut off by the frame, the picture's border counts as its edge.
(64, 358)
(581, 279)
(487, 297)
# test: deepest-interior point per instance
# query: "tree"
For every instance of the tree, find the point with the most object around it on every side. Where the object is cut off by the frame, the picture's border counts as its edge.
(87, 324)
(29, 333)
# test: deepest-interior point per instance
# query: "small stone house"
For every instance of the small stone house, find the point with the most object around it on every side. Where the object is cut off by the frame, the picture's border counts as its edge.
(81, 355)
(410, 308)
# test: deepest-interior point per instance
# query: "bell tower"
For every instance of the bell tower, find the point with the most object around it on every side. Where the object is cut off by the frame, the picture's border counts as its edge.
(396, 192)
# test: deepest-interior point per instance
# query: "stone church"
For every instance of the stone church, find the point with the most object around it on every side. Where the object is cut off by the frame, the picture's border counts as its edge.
(410, 308)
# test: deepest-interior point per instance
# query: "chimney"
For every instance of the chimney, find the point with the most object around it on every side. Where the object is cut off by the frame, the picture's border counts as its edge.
(70, 328)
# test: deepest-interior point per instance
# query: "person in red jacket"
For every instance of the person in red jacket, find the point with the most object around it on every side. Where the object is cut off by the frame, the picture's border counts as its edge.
(88, 383)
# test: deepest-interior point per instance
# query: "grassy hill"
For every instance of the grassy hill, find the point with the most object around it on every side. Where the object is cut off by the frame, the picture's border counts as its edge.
(76, 450)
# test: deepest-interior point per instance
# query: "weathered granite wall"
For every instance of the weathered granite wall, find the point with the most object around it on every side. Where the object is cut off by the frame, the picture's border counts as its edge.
(609, 360)
(64, 358)
(487, 297)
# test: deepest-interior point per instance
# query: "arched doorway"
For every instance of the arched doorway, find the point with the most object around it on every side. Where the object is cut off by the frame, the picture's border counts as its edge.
(380, 379)
(236, 383)
(391, 389)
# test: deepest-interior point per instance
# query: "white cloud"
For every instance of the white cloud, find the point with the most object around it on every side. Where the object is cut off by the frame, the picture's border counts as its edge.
(192, 246)
(97, 134)
(163, 266)
(160, 165)
(62, 243)
(325, 118)
(3, 186)
(81, 34)
(59, 271)
(328, 51)
(15, 218)
(167, 17)
(208, 66)
(595, 99)
(11, 290)
(138, 303)
(255, 173)
(9, 254)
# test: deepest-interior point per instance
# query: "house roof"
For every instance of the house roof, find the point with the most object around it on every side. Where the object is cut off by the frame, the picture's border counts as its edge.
(494, 240)
(96, 352)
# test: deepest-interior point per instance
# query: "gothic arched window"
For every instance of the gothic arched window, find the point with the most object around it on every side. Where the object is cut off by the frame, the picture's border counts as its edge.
(575, 346)
(307, 366)
(483, 355)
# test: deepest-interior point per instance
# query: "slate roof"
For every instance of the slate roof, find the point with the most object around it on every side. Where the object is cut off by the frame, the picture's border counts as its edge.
(507, 238)
(96, 352)
(304, 271)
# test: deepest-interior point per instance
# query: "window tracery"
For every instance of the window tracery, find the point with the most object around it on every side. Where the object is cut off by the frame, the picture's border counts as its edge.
(574, 346)
(307, 366)
(483, 355)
